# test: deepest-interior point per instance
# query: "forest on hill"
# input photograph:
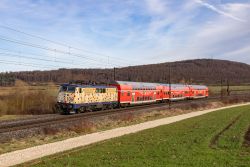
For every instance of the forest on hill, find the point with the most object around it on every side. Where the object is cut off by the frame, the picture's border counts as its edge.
(199, 71)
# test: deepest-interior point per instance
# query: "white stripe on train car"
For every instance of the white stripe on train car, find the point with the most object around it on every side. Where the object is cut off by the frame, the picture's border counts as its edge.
(198, 97)
(178, 98)
(140, 102)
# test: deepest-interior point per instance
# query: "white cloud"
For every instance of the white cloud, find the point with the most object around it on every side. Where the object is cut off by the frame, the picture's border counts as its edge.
(217, 10)
(156, 6)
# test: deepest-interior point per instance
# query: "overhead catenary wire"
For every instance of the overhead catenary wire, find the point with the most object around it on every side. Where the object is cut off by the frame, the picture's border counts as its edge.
(27, 57)
(27, 64)
(62, 44)
(51, 49)
(20, 54)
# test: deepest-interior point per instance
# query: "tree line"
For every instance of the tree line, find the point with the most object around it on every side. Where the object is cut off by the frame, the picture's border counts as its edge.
(200, 71)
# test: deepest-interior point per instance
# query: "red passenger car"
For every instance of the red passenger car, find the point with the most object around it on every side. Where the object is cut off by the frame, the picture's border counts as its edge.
(198, 91)
(138, 92)
(178, 92)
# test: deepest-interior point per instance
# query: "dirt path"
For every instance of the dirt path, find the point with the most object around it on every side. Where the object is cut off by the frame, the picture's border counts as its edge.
(21, 156)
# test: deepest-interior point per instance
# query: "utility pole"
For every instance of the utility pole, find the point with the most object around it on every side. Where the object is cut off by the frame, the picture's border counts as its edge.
(228, 88)
(169, 92)
(221, 89)
(114, 74)
(72, 77)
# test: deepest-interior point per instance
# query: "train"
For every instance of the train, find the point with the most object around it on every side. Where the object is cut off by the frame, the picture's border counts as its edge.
(76, 98)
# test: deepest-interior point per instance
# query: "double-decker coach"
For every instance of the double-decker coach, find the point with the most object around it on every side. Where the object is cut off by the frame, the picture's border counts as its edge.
(176, 92)
(131, 93)
(198, 91)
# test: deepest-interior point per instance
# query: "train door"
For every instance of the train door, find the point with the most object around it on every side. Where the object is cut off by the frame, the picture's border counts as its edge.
(81, 94)
(133, 97)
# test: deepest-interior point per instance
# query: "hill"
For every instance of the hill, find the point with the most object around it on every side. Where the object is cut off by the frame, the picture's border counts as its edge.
(205, 71)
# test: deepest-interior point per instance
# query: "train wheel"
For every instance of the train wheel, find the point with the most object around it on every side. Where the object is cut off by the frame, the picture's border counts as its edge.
(82, 109)
(66, 112)
(109, 106)
(76, 111)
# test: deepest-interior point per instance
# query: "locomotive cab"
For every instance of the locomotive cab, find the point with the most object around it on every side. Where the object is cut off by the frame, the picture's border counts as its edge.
(67, 98)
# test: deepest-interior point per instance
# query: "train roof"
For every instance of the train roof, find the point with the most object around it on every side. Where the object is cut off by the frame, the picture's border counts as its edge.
(138, 84)
(150, 85)
(198, 86)
(88, 86)
(176, 86)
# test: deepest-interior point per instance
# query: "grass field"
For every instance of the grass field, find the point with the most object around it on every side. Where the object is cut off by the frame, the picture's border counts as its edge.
(13, 117)
(24, 99)
(214, 139)
(233, 89)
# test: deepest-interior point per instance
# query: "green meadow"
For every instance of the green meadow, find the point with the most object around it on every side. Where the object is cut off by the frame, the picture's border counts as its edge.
(214, 139)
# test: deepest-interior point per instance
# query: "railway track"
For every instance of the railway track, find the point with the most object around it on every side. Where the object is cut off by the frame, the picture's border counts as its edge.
(38, 123)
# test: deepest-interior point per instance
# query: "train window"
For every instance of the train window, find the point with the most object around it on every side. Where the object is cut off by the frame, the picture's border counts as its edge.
(157, 93)
(63, 88)
(71, 89)
(138, 98)
(103, 90)
(100, 90)
(97, 90)
(128, 94)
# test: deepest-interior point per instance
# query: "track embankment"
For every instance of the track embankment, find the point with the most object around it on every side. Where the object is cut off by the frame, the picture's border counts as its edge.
(21, 156)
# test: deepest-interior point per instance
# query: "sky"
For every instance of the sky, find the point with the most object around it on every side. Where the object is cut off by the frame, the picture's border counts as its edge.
(45, 35)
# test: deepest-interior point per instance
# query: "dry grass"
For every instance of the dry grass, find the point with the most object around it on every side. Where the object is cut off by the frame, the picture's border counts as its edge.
(21, 100)
(216, 90)
(50, 131)
(13, 117)
(83, 127)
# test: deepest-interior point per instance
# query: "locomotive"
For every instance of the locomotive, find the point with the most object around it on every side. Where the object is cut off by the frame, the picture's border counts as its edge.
(75, 98)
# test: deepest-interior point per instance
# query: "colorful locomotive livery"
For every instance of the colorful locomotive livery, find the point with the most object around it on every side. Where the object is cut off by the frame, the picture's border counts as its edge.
(81, 98)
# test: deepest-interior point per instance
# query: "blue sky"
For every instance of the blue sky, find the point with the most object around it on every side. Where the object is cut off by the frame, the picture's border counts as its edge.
(97, 33)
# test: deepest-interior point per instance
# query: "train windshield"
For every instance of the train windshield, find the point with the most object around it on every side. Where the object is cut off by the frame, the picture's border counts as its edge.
(67, 89)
